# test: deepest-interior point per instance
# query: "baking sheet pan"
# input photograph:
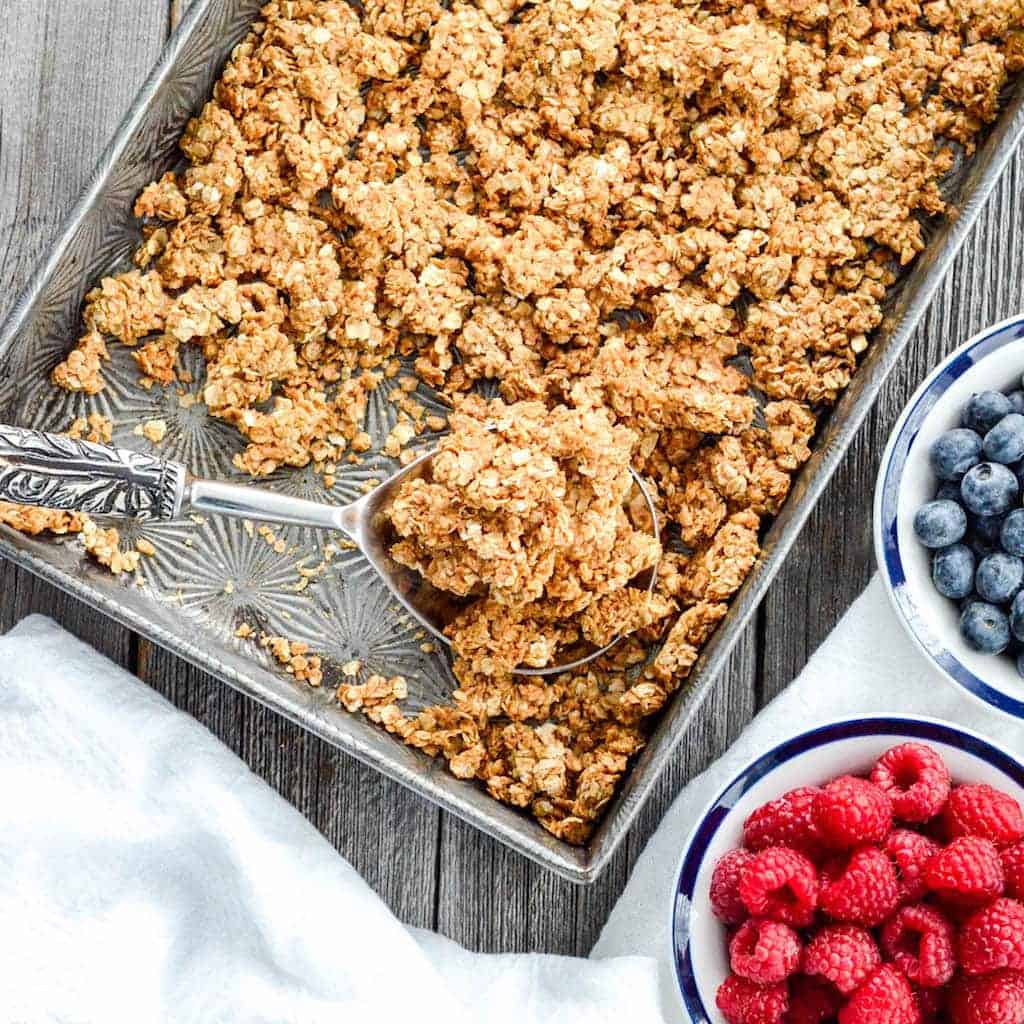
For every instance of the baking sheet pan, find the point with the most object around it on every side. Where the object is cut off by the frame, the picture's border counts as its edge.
(209, 575)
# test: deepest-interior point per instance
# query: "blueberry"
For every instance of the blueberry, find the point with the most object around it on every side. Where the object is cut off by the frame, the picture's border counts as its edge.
(949, 490)
(1005, 441)
(1017, 616)
(999, 577)
(985, 628)
(985, 410)
(954, 452)
(1016, 401)
(989, 489)
(1011, 533)
(953, 571)
(940, 523)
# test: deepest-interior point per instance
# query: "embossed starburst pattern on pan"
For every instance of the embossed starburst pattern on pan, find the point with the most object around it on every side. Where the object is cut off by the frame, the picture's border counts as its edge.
(358, 620)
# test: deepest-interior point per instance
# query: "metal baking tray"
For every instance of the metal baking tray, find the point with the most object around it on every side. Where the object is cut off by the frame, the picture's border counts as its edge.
(207, 576)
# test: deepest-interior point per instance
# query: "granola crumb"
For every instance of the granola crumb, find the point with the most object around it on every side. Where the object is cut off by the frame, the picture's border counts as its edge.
(294, 657)
(376, 693)
(95, 427)
(33, 521)
(103, 545)
(524, 512)
(154, 430)
(81, 371)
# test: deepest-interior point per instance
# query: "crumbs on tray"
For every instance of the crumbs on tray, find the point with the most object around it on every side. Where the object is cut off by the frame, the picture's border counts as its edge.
(598, 204)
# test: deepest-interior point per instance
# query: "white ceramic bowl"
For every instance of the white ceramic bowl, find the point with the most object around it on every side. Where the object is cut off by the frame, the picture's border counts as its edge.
(991, 361)
(699, 939)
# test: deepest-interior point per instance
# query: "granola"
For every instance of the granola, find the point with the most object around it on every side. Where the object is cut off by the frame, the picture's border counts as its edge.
(523, 513)
(619, 211)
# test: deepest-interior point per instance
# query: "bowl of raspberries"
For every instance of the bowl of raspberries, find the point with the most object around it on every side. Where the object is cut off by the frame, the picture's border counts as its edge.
(949, 517)
(869, 871)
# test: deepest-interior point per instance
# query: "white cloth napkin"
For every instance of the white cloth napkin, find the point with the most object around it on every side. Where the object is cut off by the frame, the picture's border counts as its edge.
(868, 665)
(147, 875)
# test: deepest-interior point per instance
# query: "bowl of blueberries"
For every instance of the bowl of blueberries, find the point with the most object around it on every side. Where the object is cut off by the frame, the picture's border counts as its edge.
(949, 516)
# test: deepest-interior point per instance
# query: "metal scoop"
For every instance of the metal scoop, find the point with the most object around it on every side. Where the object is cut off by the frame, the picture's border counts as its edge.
(60, 472)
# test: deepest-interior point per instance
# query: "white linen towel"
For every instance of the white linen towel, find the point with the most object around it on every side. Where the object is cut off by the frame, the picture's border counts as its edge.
(147, 875)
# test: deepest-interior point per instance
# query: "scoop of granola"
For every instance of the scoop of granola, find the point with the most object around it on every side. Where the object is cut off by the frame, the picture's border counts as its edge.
(523, 513)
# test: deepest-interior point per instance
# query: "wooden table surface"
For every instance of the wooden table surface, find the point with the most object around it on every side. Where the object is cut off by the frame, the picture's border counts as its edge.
(68, 71)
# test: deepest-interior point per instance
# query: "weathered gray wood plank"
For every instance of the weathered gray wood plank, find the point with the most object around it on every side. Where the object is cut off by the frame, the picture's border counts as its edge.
(833, 559)
(60, 105)
(23, 594)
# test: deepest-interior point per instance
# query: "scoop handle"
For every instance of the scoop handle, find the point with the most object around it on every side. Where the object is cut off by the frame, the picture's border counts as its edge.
(57, 471)
(243, 501)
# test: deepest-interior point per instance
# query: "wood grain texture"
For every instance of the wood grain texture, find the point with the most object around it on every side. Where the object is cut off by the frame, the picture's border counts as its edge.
(434, 871)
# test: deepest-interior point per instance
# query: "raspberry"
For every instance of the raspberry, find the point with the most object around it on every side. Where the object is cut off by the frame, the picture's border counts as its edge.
(843, 954)
(993, 938)
(967, 873)
(780, 884)
(993, 999)
(916, 780)
(852, 811)
(885, 998)
(919, 941)
(862, 890)
(985, 812)
(765, 952)
(1013, 870)
(725, 887)
(811, 1001)
(788, 821)
(743, 1002)
(911, 851)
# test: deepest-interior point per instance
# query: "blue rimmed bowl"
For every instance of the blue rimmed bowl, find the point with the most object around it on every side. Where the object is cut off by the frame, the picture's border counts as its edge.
(992, 360)
(851, 746)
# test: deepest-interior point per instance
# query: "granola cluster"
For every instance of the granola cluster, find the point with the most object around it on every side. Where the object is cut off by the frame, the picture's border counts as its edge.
(646, 212)
(523, 513)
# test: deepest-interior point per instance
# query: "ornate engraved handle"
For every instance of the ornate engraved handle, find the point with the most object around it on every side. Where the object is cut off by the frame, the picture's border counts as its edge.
(56, 471)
